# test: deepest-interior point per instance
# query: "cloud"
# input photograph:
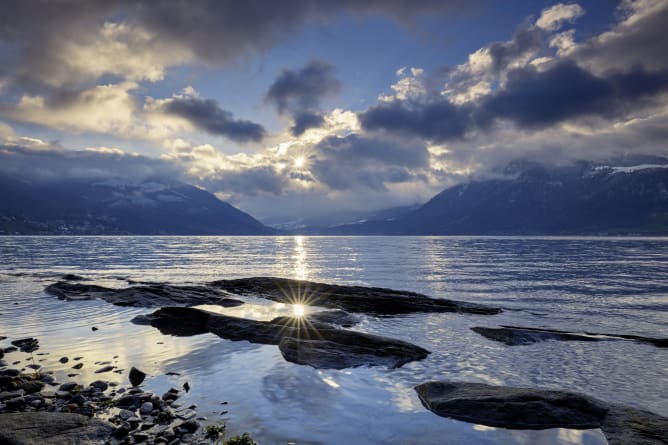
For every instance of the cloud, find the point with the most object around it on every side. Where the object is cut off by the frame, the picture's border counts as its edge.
(299, 92)
(535, 99)
(554, 17)
(207, 115)
(101, 109)
(356, 161)
(70, 41)
(54, 163)
(637, 40)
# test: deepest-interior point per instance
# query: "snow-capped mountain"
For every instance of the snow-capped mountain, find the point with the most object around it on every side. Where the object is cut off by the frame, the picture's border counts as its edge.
(628, 196)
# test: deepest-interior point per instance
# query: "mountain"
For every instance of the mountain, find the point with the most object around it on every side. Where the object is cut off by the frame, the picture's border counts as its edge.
(627, 196)
(114, 206)
(316, 224)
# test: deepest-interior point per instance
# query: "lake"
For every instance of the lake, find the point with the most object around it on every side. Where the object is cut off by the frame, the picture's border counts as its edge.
(608, 285)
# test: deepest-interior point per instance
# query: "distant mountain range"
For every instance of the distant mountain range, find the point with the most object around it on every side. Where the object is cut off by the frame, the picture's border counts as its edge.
(628, 196)
(625, 196)
(117, 207)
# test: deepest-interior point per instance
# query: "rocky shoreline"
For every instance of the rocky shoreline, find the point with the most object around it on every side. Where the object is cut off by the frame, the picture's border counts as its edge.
(36, 409)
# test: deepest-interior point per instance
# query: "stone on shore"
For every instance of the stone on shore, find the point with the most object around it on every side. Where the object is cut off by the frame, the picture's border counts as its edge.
(355, 299)
(516, 336)
(526, 408)
(318, 345)
(136, 376)
(153, 295)
(45, 428)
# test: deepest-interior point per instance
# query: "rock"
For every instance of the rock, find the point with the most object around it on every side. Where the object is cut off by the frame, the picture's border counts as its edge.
(44, 428)
(153, 295)
(46, 378)
(190, 426)
(129, 402)
(63, 360)
(78, 366)
(15, 404)
(78, 399)
(4, 395)
(94, 329)
(72, 277)
(105, 369)
(100, 385)
(146, 408)
(125, 414)
(514, 336)
(186, 386)
(320, 346)
(525, 408)
(69, 386)
(136, 376)
(63, 395)
(27, 344)
(31, 386)
(356, 299)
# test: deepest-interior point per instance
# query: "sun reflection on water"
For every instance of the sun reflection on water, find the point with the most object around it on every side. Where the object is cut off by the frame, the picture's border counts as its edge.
(298, 310)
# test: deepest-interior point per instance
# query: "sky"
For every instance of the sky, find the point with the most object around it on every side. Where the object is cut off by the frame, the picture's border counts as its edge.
(305, 109)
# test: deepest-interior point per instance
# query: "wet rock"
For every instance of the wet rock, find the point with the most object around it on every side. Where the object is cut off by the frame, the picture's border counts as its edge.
(69, 386)
(26, 344)
(78, 366)
(52, 429)
(72, 277)
(105, 369)
(130, 402)
(94, 329)
(146, 408)
(515, 336)
(321, 346)
(15, 404)
(369, 300)
(31, 386)
(136, 376)
(525, 408)
(63, 360)
(99, 384)
(153, 295)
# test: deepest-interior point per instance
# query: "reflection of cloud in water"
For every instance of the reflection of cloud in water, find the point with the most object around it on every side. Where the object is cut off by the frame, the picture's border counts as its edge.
(299, 388)
(210, 354)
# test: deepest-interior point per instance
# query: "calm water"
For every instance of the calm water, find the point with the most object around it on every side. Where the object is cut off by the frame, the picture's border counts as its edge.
(610, 285)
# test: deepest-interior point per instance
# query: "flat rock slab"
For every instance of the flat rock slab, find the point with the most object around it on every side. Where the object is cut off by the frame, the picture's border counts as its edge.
(516, 336)
(526, 408)
(360, 299)
(153, 295)
(42, 428)
(315, 344)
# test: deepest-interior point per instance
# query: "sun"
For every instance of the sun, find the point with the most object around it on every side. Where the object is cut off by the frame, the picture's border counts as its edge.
(298, 310)
(300, 161)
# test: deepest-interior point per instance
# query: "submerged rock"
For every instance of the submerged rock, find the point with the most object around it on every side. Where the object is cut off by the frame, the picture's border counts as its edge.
(526, 408)
(153, 295)
(360, 299)
(515, 336)
(44, 428)
(318, 345)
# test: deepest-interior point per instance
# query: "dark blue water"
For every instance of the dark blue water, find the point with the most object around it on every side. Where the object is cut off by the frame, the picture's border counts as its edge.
(609, 285)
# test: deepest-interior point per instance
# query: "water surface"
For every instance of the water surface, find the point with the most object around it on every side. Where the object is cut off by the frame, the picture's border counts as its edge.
(609, 285)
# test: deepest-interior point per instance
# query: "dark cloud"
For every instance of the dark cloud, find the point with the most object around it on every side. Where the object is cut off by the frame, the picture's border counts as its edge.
(527, 40)
(353, 161)
(55, 163)
(439, 120)
(207, 115)
(298, 92)
(305, 120)
(530, 98)
(535, 99)
(248, 182)
(214, 31)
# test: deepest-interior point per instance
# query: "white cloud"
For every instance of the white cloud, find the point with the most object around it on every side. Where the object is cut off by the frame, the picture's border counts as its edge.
(554, 17)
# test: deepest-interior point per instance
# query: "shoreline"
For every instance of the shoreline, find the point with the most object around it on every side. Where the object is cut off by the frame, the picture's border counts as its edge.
(101, 411)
